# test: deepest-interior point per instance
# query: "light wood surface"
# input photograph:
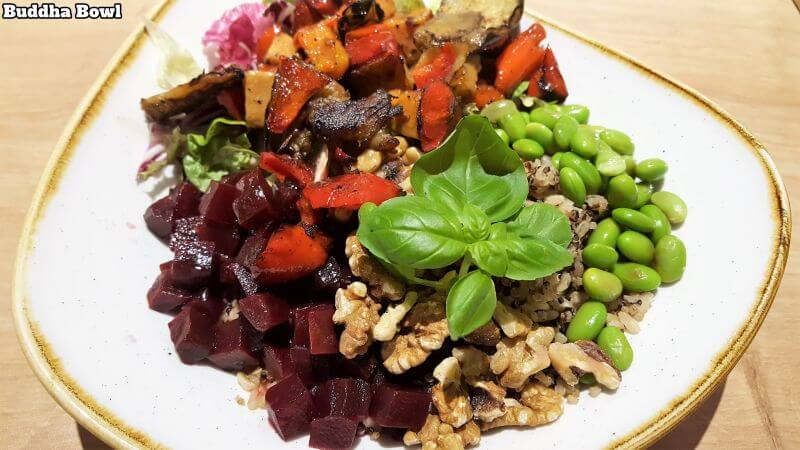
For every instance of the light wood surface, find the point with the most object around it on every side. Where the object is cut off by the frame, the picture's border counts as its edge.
(745, 55)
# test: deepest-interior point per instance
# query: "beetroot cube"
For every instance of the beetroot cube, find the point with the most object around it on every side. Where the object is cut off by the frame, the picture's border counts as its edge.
(301, 360)
(290, 406)
(277, 361)
(289, 421)
(158, 217)
(329, 277)
(333, 433)
(184, 231)
(346, 397)
(186, 199)
(191, 332)
(225, 238)
(253, 207)
(193, 264)
(237, 275)
(300, 321)
(217, 204)
(361, 367)
(251, 249)
(164, 297)
(232, 348)
(400, 407)
(321, 334)
(264, 311)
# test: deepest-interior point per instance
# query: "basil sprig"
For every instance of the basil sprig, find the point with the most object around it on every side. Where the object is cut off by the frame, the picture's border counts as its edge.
(468, 207)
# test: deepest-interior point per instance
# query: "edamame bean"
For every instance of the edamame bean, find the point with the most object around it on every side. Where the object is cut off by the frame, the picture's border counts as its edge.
(621, 191)
(673, 206)
(670, 259)
(606, 233)
(587, 171)
(584, 142)
(563, 131)
(616, 346)
(637, 277)
(503, 135)
(630, 165)
(608, 162)
(572, 185)
(577, 112)
(618, 141)
(662, 227)
(587, 323)
(652, 169)
(528, 149)
(514, 125)
(555, 160)
(497, 110)
(643, 193)
(541, 134)
(545, 116)
(636, 247)
(601, 285)
(633, 219)
(600, 255)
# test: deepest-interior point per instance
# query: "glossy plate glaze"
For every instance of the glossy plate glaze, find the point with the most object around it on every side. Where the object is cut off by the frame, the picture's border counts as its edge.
(86, 260)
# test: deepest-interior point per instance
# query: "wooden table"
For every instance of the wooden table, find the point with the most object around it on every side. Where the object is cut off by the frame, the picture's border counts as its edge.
(745, 55)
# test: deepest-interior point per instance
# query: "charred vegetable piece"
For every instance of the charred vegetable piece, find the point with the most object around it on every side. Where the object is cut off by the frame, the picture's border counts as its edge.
(304, 15)
(400, 407)
(366, 47)
(482, 24)
(405, 123)
(439, 63)
(323, 49)
(358, 14)
(486, 94)
(284, 166)
(438, 114)
(547, 83)
(353, 120)
(264, 311)
(232, 347)
(350, 191)
(277, 361)
(383, 73)
(290, 407)
(257, 94)
(342, 397)
(520, 59)
(191, 95)
(322, 339)
(465, 79)
(401, 30)
(296, 83)
(191, 332)
(292, 252)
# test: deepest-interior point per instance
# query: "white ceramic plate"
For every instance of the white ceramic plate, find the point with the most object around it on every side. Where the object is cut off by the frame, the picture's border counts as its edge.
(86, 260)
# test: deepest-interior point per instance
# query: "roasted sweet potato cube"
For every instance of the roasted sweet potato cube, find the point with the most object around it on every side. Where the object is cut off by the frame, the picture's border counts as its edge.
(264, 311)
(400, 407)
(217, 204)
(232, 347)
(192, 332)
(405, 123)
(297, 82)
(345, 397)
(333, 433)
(323, 49)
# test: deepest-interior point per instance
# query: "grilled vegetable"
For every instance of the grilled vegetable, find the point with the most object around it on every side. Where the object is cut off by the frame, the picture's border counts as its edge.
(439, 63)
(284, 166)
(188, 96)
(292, 252)
(358, 14)
(481, 24)
(383, 73)
(405, 123)
(547, 82)
(323, 49)
(257, 93)
(350, 191)
(520, 59)
(465, 79)
(485, 94)
(297, 82)
(370, 43)
(282, 46)
(438, 114)
(351, 121)
(304, 15)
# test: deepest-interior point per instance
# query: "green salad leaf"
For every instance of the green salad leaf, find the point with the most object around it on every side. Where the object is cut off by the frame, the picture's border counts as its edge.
(223, 149)
(473, 166)
(470, 304)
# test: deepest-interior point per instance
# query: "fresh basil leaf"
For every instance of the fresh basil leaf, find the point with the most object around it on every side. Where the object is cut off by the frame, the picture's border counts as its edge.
(544, 221)
(223, 149)
(490, 256)
(498, 230)
(413, 231)
(532, 258)
(473, 166)
(476, 224)
(470, 304)
(405, 273)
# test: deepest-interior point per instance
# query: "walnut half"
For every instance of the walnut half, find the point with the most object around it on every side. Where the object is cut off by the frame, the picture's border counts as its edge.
(517, 359)
(428, 330)
(359, 314)
(538, 405)
(382, 284)
(573, 360)
(449, 395)
(435, 435)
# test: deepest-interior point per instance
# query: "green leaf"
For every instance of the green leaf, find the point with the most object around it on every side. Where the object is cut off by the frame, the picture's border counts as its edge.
(470, 304)
(490, 256)
(543, 221)
(533, 258)
(473, 166)
(476, 224)
(414, 232)
(223, 149)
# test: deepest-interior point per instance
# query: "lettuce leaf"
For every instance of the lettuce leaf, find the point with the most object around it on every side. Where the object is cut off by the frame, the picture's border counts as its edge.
(223, 149)
(176, 65)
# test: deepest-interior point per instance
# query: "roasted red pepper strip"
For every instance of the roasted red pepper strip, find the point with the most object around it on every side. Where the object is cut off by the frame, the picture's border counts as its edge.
(296, 83)
(521, 58)
(486, 94)
(292, 252)
(438, 68)
(283, 166)
(547, 82)
(262, 47)
(307, 213)
(324, 7)
(350, 191)
(365, 31)
(370, 47)
(438, 114)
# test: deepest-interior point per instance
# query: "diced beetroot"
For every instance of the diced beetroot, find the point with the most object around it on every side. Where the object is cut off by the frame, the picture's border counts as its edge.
(225, 237)
(361, 367)
(254, 205)
(191, 332)
(321, 335)
(186, 199)
(232, 178)
(400, 407)
(347, 397)
(164, 297)
(300, 321)
(217, 204)
(251, 249)
(290, 406)
(264, 311)
(235, 274)
(193, 264)
(277, 361)
(333, 433)
(329, 277)
(289, 421)
(301, 360)
(232, 347)
(184, 231)
(158, 217)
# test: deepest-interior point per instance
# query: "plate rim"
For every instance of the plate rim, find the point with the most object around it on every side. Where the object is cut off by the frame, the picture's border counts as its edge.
(105, 425)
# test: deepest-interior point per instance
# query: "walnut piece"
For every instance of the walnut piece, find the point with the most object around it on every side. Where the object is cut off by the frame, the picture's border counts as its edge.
(540, 405)
(473, 362)
(449, 395)
(517, 359)
(428, 330)
(512, 322)
(435, 435)
(573, 360)
(382, 283)
(488, 401)
(390, 320)
(359, 314)
(487, 335)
